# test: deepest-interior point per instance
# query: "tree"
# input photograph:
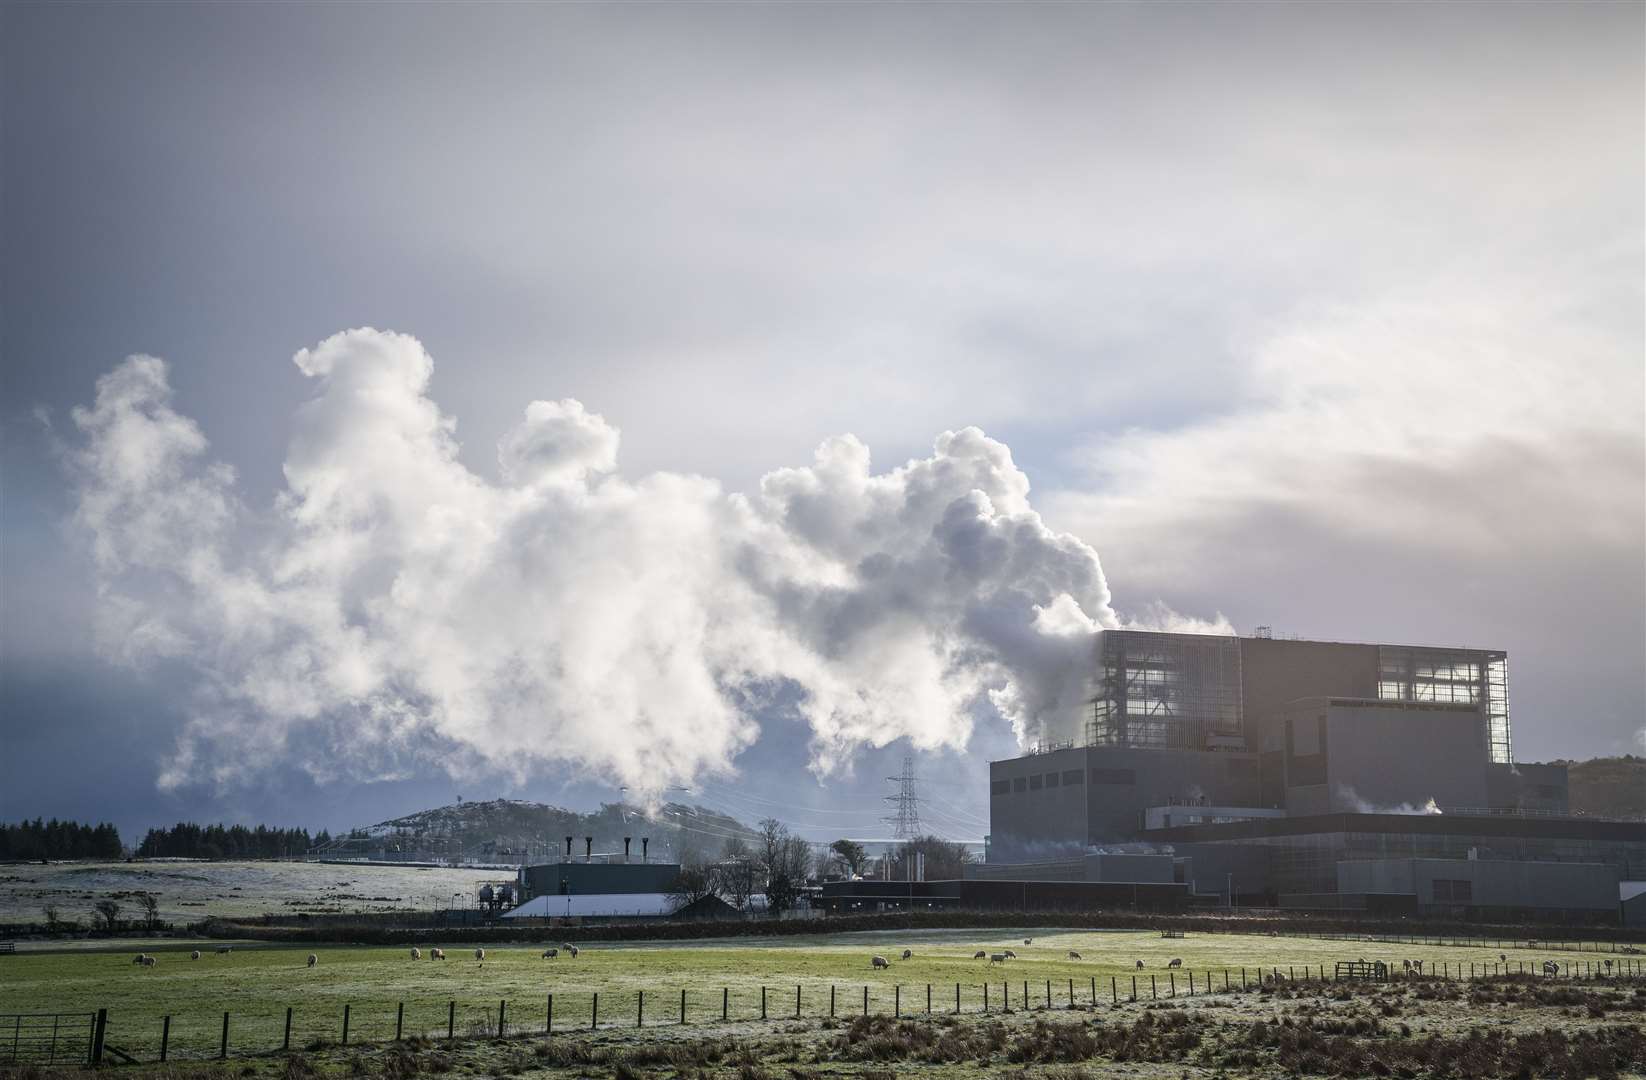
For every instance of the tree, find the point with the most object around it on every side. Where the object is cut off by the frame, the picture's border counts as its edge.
(695, 880)
(49, 910)
(151, 909)
(944, 859)
(850, 855)
(735, 875)
(785, 862)
(110, 913)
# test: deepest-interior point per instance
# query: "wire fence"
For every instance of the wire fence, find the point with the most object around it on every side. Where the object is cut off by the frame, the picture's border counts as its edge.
(229, 1034)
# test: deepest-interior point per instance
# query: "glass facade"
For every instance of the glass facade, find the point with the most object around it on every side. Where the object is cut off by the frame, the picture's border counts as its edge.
(1167, 691)
(1454, 676)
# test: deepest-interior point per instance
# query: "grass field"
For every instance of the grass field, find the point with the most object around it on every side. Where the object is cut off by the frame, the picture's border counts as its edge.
(257, 984)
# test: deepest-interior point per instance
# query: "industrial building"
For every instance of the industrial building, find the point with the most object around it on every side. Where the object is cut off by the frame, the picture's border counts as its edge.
(604, 885)
(1307, 774)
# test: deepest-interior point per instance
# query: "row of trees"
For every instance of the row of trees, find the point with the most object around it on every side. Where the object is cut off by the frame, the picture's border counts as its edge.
(779, 864)
(186, 840)
(55, 839)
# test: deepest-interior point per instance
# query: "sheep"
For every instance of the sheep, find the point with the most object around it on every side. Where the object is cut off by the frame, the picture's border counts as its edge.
(1028, 941)
(437, 954)
(979, 954)
(148, 961)
(1551, 968)
(1503, 958)
(139, 958)
(550, 954)
(416, 954)
(1417, 966)
(1406, 966)
(1140, 965)
(997, 958)
(878, 962)
(907, 953)
(313, 959)
(1010, 955)
(572, 951)
(1176, 961)
(480, 955)
(1608, 964)
(195, 955)
(1073, 955)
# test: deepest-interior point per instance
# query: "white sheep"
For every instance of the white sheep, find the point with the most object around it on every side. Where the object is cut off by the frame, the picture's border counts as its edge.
(195, 955)
(572, 951)
(1140, 965)
(480, 955)
(1028, 941)
(1175, 961)
(1010, 955)
(907, 953)
(417, 954)
(550, 954)
(139, 958)
(1503, 958)
(148, 961)
(997, 958)
(878, 962)
(1551, 968)
(313, 959)
(437, 954)
(1073, 955)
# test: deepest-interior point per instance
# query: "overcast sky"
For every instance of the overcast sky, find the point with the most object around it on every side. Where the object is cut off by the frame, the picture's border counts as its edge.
(1325, 317)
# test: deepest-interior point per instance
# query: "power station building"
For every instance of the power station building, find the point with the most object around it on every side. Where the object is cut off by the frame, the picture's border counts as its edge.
(1267, 770)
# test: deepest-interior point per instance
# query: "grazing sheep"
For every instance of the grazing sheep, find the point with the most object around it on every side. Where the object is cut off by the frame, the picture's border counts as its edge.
(437, 954)
(1028, 941)
(1503, 958)
(878, 962)
(480, 955)
(417, 954)
(1140, 965)
(148, 961)
(1551, 968)
(139, 958)
(1176, 961)
(1608, 964)
(313, 959)
(195, 955)
(907, 953)
(979, 954)
(550, 954)
(1406, 966)
(1073, 955)
(997, 958)
(1010, 955)
(572, 951)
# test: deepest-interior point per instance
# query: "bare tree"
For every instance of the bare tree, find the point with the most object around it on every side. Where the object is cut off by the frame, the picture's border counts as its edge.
(850, 855)
(735, 875)
(50, 911)
(109, 912)
(785, 862)
(695, 880)
(151, 909)
(944, 859)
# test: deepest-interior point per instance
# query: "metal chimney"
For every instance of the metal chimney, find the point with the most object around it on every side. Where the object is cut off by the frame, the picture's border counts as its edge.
(568, 847)
(644, 842)
(626, 841)
(588, 849)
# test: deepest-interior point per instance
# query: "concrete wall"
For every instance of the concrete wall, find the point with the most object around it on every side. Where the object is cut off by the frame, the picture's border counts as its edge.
(1031, 819)
(1379, 757)
(1274, 673)
(1493, 883)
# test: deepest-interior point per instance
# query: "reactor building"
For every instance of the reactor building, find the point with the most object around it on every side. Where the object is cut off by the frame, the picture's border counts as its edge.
(1308, 774)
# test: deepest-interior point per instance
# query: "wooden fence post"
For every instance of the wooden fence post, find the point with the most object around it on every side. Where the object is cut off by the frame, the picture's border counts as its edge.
(345, 1023)
(762, 1003)
(865, 1001)
(451, 1020)
(831, 1000)
(502, 1012)
(548, 1022)
(594, 1012)
(640, 1008)
(399, 1020)
(285, 1044)
(165, 1035)
(725, 994)
(957, 999)
(797, 1002)
(682, 1004)
(223, 1049)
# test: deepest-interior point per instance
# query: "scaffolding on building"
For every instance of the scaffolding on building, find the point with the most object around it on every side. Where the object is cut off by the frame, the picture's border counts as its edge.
(1167, 691)
(1457, 676)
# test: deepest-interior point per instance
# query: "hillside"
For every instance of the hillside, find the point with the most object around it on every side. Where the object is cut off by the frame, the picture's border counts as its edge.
(1609, 787)
(514, 830)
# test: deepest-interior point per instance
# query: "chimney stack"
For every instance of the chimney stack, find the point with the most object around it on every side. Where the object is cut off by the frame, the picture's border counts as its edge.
(645, 841)
(568, 847)
(626, 841)
(588, 849)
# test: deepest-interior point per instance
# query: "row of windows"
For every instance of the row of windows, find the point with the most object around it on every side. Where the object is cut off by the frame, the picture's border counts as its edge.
(1066, 778)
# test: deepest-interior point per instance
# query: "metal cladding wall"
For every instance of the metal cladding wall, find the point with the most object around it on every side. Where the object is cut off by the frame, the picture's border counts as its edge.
(1525, 786)
(1490, 883)
(580, 879)
(1051, 806)
(1369, 756)
(1275, 673)
(857, 896)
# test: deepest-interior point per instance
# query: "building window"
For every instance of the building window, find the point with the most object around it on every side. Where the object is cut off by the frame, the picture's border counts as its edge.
(1051, 779)
(1072, 776)
(1019, 784)
(1000, 787)
(1036, 783)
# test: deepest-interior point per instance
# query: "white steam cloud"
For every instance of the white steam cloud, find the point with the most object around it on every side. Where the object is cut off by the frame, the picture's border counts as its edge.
(393, 606)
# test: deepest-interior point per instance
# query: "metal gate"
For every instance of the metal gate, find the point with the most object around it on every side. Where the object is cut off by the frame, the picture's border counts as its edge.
(48, 1038)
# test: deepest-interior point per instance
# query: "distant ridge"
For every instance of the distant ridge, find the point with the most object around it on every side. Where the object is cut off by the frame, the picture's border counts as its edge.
(517, 830)
(1612, 787)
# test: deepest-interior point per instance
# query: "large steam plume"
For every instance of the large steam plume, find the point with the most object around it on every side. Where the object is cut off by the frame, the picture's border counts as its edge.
(393, 606)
